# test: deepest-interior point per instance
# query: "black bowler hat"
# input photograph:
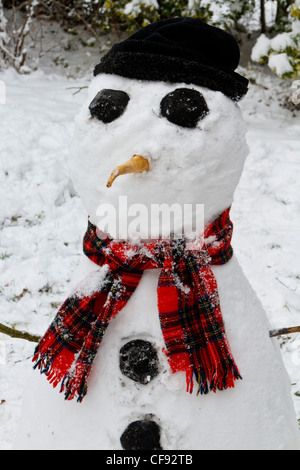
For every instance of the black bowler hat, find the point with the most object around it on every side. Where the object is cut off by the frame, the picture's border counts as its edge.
(179, 50)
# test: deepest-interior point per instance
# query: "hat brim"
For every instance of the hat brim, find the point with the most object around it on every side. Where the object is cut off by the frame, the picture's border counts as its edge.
(156, 67)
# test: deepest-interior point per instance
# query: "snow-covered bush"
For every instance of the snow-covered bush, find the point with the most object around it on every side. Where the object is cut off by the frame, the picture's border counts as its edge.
(126, 15)
(282, 52)
(133, 14)
(228, 13)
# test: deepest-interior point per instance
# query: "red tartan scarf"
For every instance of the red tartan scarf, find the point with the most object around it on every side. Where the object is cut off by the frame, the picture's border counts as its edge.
(188, 306)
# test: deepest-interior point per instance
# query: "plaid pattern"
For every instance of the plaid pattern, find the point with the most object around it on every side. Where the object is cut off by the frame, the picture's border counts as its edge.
(188, 305)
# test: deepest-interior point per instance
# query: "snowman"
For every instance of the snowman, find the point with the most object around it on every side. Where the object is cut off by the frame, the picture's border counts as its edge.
(161, 343)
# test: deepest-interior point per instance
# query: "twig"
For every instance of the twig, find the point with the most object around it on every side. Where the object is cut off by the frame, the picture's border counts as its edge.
(78, 88)
(13, 333)
(285, 331)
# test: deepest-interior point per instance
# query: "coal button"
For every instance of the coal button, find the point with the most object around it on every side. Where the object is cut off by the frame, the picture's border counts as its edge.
(139, 361)
(141, 435)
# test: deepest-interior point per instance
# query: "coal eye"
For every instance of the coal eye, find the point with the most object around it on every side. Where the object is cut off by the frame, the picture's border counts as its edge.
(184, 107)
(108, 105)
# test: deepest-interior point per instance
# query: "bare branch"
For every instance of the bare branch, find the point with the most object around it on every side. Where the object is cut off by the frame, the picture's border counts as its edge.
(13, 333)
(285, 331)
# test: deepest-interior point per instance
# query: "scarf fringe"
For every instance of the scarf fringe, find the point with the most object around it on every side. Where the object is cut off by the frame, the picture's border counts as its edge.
(45, 366)
(221, 378)
(64, 370)
(74, 383)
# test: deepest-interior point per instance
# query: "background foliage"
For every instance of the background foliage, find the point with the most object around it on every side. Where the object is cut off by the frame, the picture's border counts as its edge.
(121, 17)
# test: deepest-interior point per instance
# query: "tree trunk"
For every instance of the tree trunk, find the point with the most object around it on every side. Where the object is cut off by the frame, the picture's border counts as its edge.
(263, 26)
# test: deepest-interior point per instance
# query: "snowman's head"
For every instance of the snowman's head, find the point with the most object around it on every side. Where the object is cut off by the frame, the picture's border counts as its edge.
(178, 115)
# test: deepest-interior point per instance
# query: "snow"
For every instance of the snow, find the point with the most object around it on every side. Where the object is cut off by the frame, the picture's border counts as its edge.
(278, 44)
(280, 63)
(261, 48)
(296, 28)
(282, 41)
(91, 283)
(274, 48)
(43, 220)
(134, 7)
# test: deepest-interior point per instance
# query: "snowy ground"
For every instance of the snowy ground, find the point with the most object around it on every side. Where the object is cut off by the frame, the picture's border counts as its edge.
(43, 220)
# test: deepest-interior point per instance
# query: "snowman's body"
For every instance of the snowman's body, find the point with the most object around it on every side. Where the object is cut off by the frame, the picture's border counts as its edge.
(196, 166)
(257, 414)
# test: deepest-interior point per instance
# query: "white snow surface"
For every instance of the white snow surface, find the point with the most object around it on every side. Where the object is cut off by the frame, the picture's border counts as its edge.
(43, 220)
(280, 63)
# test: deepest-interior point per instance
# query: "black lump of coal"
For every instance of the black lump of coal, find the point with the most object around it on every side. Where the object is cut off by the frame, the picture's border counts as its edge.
(141, 435)
(108, 105)
(184, 107)
(139, 361)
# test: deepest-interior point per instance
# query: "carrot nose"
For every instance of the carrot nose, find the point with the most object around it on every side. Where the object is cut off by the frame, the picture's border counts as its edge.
(136, 164)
